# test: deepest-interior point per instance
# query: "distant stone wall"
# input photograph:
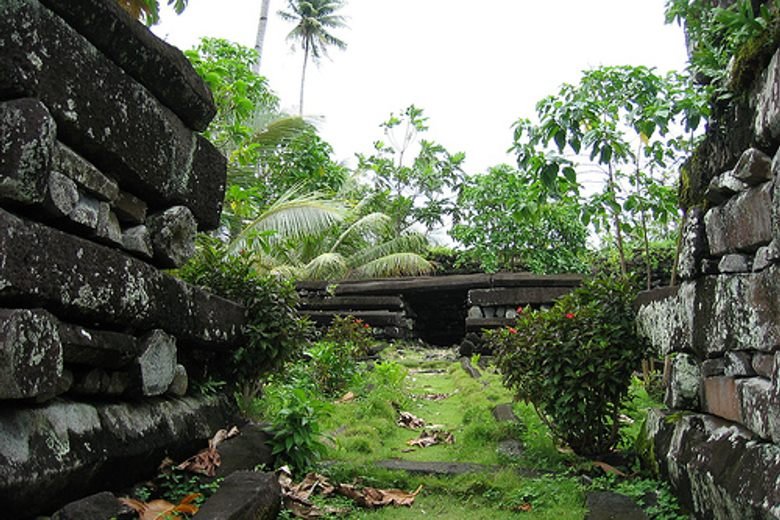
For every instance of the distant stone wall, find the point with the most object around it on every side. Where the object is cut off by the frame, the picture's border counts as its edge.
(104, 181)
(720, 328)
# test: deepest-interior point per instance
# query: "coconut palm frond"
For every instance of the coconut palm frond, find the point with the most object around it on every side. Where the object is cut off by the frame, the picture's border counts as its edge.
(276, 131)
(327, 266)
(371, 225)
(408, 243)
(292, 216)
(397, 264)
(286, 271)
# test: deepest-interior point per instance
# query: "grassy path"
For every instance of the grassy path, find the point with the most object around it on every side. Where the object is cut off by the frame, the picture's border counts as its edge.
(366, 433)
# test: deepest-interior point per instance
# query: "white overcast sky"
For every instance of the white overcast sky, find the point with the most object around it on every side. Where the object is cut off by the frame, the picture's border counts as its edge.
(474, 67)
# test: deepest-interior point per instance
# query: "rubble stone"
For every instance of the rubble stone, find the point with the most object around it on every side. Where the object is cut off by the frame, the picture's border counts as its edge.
(173, 236)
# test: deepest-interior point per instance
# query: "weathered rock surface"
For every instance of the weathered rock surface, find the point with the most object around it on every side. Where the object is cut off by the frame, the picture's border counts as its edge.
(62, 196)
(716, 468)
(767, 118)
(666, 319)
(160, 67)
(84, 280)
(693, 245)
(27, 140)
(684, 384)
(516, 295)
(97, 348)
(247, 451)
(743, 224)
(65, 449)
(607, 505)
(130, 209)
(180, 383)
(30, 354)
(244, 495)
(753, 167)
(138, 240)
(734, 263)
(156, 366)
(173, 236)
(128, 133)
(69, 163)
(100, 506)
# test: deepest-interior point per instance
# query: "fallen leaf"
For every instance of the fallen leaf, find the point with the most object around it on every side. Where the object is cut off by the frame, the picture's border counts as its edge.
(434, 397)
(407, 420)
(162, 509)
(373, 497)
(525, 507)
(608, 468)
(346, 398)
(430, 438)
(206, 461)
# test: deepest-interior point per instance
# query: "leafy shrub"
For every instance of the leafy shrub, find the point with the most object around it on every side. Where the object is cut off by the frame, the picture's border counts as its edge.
(348, 329)
(389, 374)
(574, 362)
(331, 366)
(296, 415)
(274, 331)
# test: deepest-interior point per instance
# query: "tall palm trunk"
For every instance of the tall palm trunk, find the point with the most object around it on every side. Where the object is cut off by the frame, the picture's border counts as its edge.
(303, 74)
(262, 25)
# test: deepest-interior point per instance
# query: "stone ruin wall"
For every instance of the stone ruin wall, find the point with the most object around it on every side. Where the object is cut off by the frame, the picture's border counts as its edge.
(719, 442)
(104, 181)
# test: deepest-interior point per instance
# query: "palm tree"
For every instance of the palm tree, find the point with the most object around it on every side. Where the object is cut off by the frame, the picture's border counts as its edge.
(314, 19)
(308, 237)
(261, 27)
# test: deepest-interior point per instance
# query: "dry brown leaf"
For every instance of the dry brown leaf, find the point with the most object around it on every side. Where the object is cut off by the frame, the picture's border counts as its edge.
(608, 468)
(373, 497)
(346, 398)
(525, 507)
(407, 420)
(160, 509)
(430, 438)
(206, 461)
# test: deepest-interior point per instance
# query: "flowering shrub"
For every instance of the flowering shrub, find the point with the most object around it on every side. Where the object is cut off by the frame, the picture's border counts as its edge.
(348, 329)
(574, 362)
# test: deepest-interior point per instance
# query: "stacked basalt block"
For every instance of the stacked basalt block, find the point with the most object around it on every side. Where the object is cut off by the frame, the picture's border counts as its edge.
(104, 181)
(720, 328)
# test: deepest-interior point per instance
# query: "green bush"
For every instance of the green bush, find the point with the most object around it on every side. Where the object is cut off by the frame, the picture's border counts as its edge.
(296, 415)
(574, 362)
(274, 331)
(348, 329)
(331, 366)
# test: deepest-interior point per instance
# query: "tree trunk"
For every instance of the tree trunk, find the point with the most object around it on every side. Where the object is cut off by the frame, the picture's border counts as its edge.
(261, 27)
(616, 222)
(303, 74)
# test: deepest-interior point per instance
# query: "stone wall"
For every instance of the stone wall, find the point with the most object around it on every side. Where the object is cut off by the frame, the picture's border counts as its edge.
(719, 443)
(104, 181)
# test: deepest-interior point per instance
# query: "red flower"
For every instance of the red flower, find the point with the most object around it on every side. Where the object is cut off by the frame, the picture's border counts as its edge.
(366, 326)
(569, 315)
(512, 330)
(519, 310)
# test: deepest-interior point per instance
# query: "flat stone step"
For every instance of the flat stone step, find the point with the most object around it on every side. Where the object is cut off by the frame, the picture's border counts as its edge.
(606, 505)
(434, 468)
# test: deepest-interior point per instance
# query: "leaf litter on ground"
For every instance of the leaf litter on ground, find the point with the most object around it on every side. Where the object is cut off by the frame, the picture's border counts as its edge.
(430, 438)
(407, 420)
(158, 509)
(297, 497)
(206, 461)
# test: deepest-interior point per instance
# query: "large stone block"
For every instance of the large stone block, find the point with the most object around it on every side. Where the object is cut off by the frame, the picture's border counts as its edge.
(173, 236)
(717, 469)
(89, 282)
(30, 354)
(693, 245)
(767, 115)
(156, 366)
(738, 312)
(755, 395)
(51, 454)
(244, 495)
(106, 116)
(97, 348)
(69, 163)
(27, 141)
(667, 321)
(722, 399)
(753, 167)
(516, 295)
(684, 387)
(159, 66)
(743, 224)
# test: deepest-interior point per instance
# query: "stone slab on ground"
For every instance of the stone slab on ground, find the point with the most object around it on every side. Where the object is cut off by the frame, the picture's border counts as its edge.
(89, 282)
(159, 66)
(606, 505)
(505, 413)
(470, 369)
(434, 468)
(100, 506)
(244, 495)
(52, 453)
(248, 450)
(141, 142)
